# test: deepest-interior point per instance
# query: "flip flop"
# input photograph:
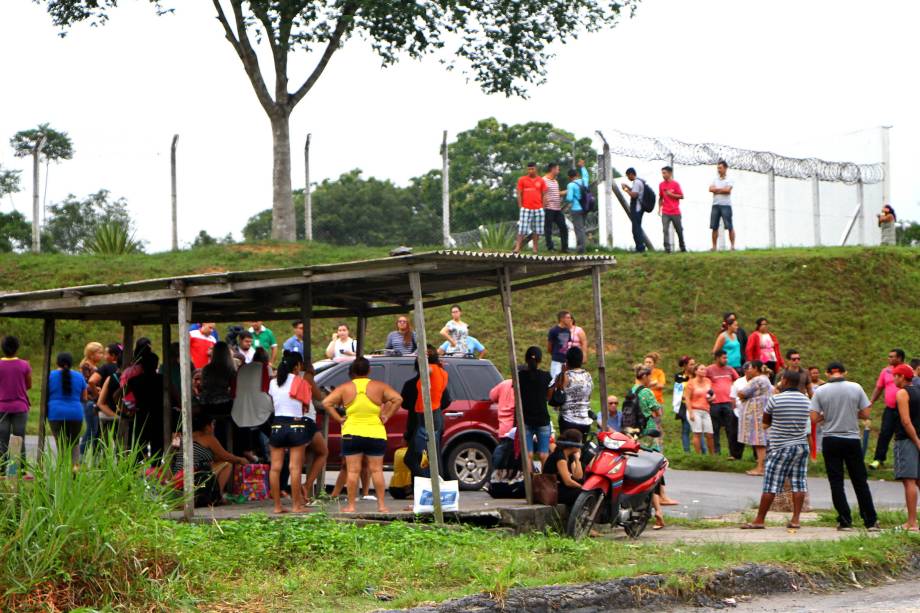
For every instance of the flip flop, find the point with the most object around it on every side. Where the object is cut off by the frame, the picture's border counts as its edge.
(750, 526)
(793, 526)
(669, 503)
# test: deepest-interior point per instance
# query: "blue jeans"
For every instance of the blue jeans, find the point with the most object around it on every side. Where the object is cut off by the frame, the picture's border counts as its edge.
(92, 425)
(419, 443)
(542, 433)
(685, 437)
(638, 237)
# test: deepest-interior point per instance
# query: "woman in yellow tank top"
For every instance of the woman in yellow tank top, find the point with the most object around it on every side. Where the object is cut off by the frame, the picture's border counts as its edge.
(368, 405)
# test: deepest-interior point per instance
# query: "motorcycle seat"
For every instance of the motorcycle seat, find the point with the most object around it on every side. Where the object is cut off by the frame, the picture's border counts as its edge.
(643, 466)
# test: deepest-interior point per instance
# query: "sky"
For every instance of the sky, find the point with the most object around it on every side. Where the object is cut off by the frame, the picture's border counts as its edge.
(813, 78)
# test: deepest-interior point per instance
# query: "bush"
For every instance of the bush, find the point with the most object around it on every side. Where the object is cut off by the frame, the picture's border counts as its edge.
(80, 536)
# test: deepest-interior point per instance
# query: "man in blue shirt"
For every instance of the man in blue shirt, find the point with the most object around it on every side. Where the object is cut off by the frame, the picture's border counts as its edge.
(295, 343)
(473, 347)
(573, 198)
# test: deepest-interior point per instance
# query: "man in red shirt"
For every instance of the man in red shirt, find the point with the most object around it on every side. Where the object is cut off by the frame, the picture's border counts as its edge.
(670, 195)
(530, 189)
(200, 344)
(721, 410)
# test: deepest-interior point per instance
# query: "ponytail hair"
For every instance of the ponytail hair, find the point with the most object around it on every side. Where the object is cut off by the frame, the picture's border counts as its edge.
(290, 361)
(65, 363)
(533, 357)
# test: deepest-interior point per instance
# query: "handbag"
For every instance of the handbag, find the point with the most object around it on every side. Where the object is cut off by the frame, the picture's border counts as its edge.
(546, 489)
(557, 399)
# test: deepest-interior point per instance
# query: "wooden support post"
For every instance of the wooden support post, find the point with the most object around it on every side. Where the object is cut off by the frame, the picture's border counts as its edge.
(127, 354)
(185, 373)
(504, 282)
(165, 367)
(434, 460)
(362, 335)
(599, 339)
(48, 345)
(306, 315)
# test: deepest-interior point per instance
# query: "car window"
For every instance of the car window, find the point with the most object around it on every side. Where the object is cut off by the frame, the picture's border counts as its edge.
(455, 386)
(399, 373)
(378, 372)
(480, 379)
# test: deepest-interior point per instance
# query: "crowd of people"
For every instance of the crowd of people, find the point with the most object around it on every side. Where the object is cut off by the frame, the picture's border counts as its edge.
(758, 395)
(543, 207)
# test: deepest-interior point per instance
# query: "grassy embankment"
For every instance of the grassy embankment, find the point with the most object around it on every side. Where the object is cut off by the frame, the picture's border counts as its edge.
(852, 304)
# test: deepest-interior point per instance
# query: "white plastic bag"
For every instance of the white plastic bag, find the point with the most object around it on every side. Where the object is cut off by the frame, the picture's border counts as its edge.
(424, 499)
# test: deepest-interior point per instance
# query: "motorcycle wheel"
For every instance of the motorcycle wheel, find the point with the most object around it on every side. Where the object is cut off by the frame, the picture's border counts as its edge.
(639, 520)
(583, 514)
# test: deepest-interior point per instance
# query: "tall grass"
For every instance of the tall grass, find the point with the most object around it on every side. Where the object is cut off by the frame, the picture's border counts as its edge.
(78, 536)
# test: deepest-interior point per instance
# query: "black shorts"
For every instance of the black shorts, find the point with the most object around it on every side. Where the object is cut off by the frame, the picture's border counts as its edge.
(290, 432)
(354, 445)
(723, 212)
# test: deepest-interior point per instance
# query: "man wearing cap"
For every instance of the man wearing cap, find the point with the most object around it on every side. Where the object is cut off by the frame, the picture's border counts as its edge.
(886, 385)
(837, 406)
(636, 211)
(907, 440)
(530, 190)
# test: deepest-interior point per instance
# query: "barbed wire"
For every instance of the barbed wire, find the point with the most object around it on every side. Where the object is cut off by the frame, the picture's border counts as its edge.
(678, 152)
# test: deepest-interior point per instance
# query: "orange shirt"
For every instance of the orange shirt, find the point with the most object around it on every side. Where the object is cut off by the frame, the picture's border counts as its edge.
(438, 378)
(531, 190)
(658, 376)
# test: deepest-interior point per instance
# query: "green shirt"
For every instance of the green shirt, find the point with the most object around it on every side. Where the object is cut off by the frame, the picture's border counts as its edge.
(648, 405)
(264, 339)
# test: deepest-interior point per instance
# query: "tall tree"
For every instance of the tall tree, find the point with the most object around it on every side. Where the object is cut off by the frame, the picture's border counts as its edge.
(45, 143)
(504, 45)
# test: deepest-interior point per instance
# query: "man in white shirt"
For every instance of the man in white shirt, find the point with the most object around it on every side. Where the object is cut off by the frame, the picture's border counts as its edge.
(635, 207)
(721, 190)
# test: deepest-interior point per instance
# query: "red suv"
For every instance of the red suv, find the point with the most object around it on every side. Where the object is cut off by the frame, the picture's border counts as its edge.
(470, 422)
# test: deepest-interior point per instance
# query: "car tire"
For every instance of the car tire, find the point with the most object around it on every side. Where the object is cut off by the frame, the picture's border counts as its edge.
(470, 463)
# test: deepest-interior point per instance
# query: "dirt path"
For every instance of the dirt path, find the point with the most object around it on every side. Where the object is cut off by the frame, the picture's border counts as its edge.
(732, 534)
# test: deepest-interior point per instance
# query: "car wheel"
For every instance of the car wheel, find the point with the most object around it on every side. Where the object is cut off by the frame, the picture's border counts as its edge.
(470, 463)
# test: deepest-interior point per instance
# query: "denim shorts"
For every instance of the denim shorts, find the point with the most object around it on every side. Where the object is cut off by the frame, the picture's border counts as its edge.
(354, 445)
(290, 432)
(723, 211)
(542, 433)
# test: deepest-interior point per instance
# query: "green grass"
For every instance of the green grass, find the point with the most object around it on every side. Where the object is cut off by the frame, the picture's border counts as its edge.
(315, 564)
(846, 303)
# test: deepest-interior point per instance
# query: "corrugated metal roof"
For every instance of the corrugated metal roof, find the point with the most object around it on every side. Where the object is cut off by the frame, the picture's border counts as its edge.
(342, 284)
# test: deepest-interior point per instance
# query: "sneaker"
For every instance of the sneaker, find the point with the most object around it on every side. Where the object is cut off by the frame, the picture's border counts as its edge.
(874, 464)
(844, 528)
(874, 528)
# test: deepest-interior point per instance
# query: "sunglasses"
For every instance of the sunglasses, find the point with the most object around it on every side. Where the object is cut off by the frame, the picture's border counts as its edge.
(796, 358)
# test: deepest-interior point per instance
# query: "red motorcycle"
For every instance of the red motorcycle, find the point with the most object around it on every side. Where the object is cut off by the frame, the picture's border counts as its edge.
(618, 487)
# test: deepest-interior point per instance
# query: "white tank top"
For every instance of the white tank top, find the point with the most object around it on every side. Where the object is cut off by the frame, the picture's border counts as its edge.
(285, 406)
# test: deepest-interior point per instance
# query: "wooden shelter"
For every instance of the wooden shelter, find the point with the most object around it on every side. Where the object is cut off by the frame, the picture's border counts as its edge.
(359, 289)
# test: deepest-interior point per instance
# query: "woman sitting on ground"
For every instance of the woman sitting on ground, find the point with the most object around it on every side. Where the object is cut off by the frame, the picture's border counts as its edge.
(565, 463)
(213, 464)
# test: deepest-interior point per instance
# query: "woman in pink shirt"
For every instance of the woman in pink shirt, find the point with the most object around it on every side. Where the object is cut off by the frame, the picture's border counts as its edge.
(15, 381)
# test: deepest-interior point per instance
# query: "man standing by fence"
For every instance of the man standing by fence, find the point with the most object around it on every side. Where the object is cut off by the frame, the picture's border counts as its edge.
(552, 209)
(576, 193)
(530, 190)
(635, 207)
(885, 386)
(721, 189)
(670, 195)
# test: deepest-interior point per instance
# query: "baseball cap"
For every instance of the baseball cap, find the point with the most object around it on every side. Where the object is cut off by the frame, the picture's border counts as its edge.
(904, 370)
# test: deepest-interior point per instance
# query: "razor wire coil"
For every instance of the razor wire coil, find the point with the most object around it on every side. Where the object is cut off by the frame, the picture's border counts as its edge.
(689, 154)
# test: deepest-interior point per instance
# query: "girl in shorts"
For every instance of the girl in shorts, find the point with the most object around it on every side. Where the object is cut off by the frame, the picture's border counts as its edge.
(290, 430)
(697, 395)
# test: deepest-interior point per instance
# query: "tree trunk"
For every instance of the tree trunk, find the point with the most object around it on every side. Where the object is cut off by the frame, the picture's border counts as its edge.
(282, 203)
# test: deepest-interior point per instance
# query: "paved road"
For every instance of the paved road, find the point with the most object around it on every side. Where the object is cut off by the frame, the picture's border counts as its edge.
(902, 596)
(703, 493)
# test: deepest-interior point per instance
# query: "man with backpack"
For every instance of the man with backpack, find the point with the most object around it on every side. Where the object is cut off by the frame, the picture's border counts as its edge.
(641, 201)
(578, 196)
